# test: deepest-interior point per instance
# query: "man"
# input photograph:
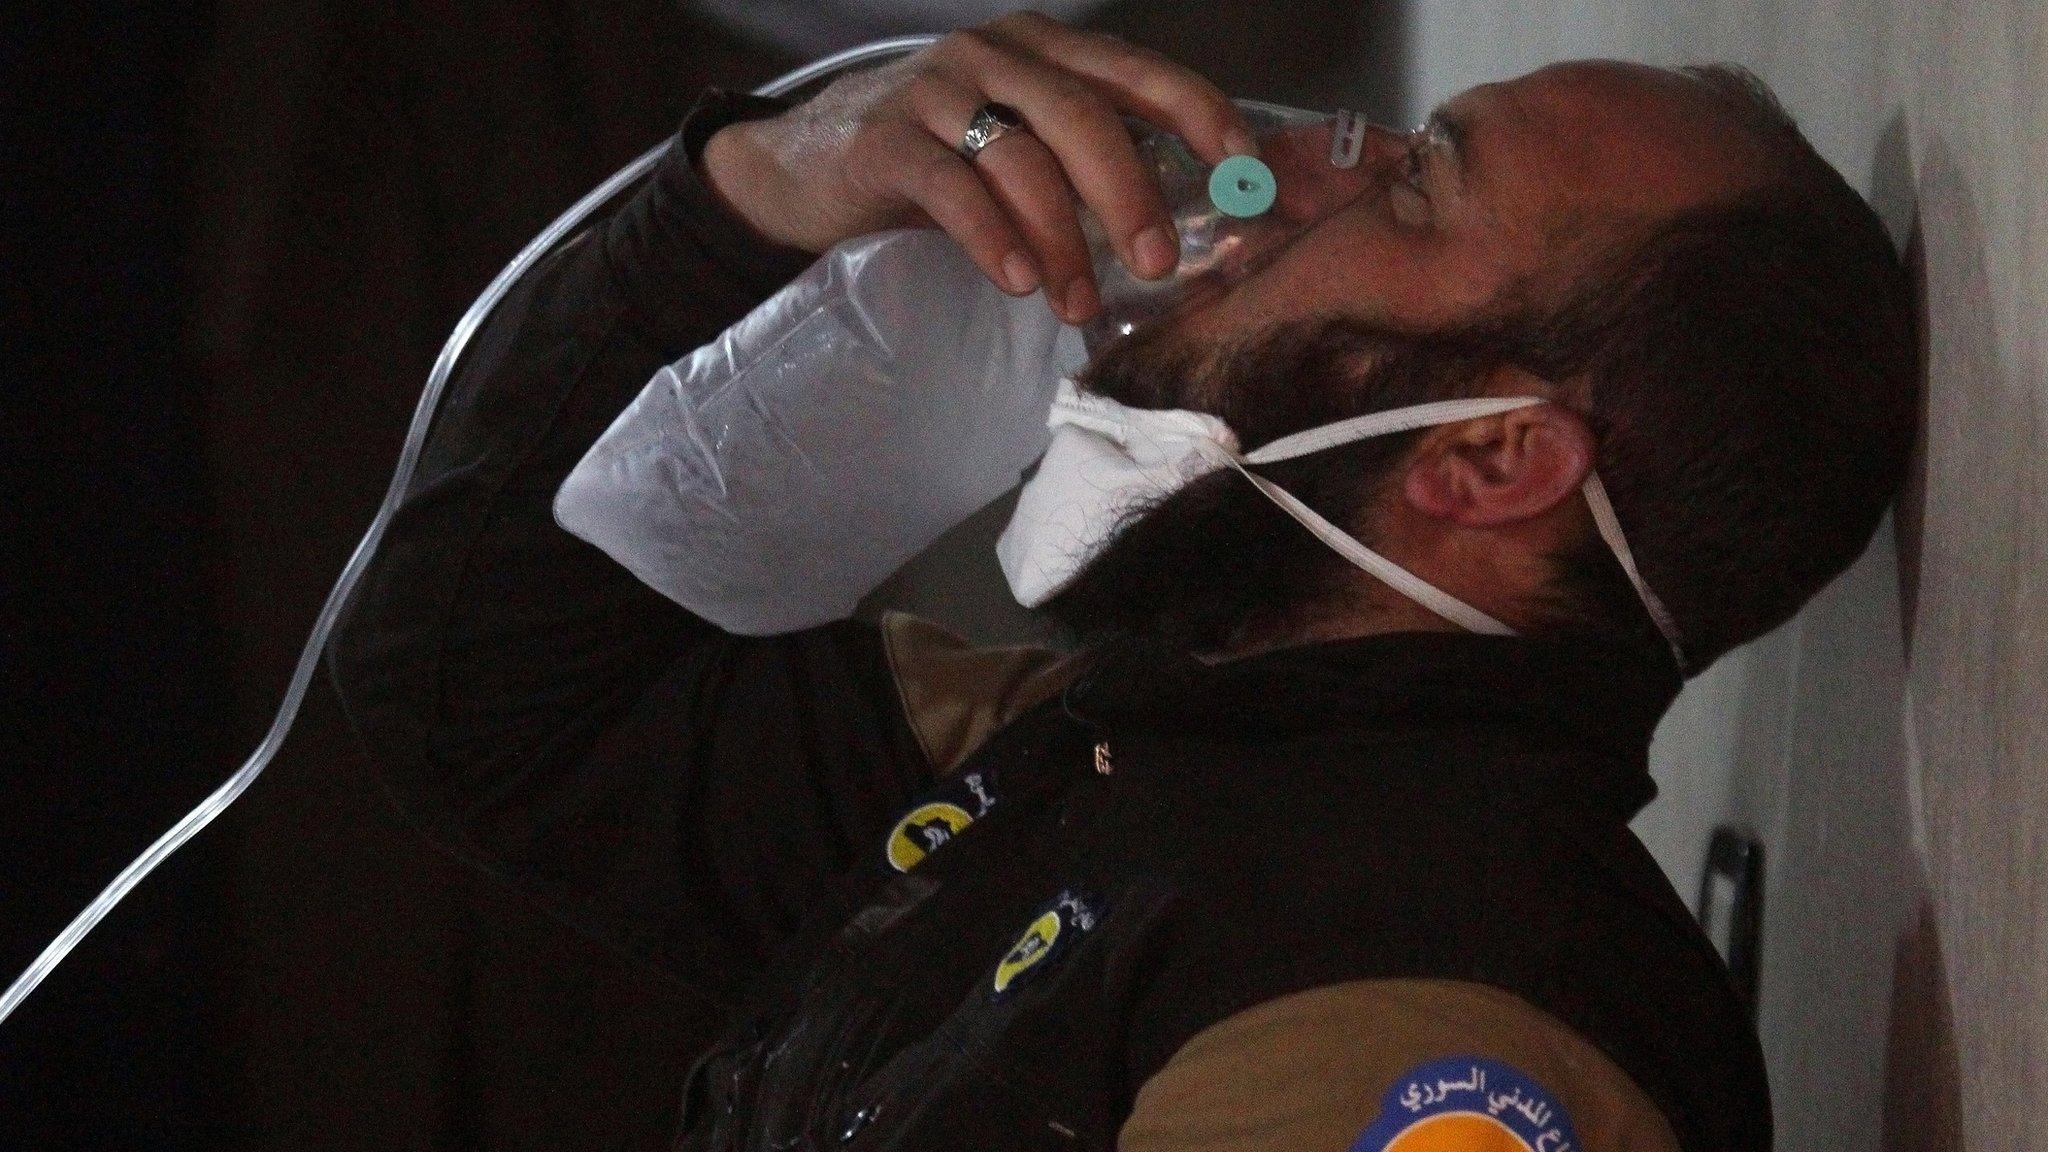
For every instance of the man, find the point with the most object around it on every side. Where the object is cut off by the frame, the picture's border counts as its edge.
(1279, 858)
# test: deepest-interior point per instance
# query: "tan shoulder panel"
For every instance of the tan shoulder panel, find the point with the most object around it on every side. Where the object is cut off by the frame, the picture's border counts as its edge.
(1307, 1072)
(957, 695)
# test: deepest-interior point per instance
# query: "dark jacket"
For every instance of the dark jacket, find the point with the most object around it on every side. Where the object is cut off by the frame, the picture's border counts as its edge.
(1134, 859)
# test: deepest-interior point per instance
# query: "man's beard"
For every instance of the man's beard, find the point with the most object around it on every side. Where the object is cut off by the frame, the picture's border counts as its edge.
(1215, 565)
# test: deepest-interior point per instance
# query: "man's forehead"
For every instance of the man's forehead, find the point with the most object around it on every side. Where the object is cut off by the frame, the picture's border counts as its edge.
(1599, 134)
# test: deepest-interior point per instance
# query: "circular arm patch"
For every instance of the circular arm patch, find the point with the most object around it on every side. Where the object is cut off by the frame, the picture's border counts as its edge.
(1468, 1104)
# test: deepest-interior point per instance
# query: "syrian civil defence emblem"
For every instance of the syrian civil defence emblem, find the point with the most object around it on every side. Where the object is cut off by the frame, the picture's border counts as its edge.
(924, 831)
(1468, 1104)
(942, 814)
(1052, 931)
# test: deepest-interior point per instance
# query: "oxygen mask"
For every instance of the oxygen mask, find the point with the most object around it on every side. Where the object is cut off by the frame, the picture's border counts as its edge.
(1232, 218)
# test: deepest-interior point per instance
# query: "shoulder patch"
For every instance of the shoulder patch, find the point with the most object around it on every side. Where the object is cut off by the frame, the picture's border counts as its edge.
(1053, 931)
(1468, 1104)
(924, 830)
(942, 814)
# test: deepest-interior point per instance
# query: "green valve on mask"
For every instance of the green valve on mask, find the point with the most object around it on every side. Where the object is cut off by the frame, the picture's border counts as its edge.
(1242, 186)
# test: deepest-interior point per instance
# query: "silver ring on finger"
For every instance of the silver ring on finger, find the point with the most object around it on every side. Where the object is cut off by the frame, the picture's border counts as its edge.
(990, 123)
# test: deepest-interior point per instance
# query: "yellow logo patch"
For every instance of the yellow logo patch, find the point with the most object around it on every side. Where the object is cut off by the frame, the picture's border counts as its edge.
(923, 831)
(1031, 948)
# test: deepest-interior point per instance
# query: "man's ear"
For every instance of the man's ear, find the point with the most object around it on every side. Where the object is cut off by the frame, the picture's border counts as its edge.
(1501, 469)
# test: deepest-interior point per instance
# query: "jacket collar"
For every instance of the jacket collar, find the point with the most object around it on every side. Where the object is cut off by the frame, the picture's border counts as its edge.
(1599, 696)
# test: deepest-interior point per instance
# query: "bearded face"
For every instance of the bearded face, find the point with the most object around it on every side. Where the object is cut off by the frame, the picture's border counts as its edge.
(1215, 563)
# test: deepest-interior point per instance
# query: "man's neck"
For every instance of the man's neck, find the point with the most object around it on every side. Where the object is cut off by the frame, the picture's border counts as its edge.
(1360, 613)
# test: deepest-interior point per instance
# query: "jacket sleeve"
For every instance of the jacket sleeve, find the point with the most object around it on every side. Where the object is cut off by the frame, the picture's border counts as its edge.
(1381, 1065)
(667, 787)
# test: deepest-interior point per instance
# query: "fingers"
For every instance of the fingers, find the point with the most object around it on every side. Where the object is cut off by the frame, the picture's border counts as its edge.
(1139, 81)
(927, 174)
(1081, 127)
(1027, 181)
(1017, 203)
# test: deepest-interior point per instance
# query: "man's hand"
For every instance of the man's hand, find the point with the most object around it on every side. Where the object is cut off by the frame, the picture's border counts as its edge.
(875, 150)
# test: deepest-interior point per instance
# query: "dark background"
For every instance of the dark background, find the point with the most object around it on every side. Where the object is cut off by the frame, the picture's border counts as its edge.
(236, 234)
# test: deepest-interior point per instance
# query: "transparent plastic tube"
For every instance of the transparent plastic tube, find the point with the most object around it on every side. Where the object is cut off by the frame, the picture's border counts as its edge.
(309, 657)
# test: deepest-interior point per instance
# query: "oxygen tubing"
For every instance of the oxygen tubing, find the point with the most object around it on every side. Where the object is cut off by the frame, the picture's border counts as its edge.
(408, 458)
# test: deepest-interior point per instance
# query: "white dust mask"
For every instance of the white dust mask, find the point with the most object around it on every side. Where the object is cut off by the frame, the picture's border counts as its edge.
(1107, 460)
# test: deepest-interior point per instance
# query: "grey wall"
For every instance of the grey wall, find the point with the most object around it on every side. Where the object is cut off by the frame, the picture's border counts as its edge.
(1889, 745)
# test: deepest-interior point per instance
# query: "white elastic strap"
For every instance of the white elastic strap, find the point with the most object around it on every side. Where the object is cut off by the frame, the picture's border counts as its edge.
(1609, 525)
(1386, 424)
(1400, 579)
(1362, 428)
(1391, 574)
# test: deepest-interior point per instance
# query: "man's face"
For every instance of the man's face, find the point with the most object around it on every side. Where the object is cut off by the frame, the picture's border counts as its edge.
(1432, 227)
(1375, 304)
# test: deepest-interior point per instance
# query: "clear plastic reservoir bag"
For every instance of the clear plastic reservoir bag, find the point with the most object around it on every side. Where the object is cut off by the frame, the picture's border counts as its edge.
(772, 478)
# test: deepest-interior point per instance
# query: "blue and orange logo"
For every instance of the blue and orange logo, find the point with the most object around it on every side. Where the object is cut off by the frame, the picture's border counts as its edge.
(1468, 1104)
